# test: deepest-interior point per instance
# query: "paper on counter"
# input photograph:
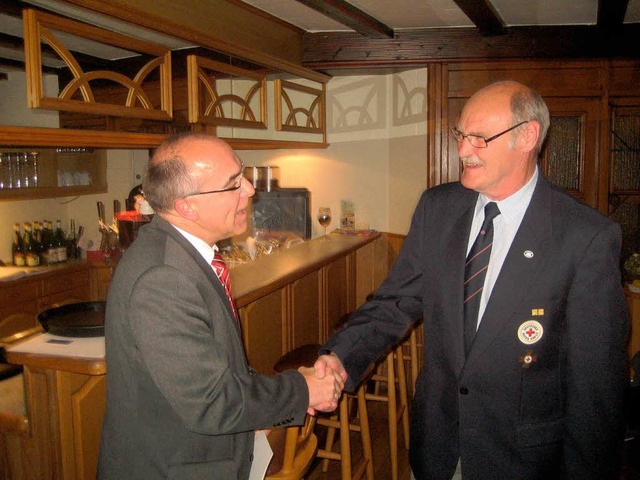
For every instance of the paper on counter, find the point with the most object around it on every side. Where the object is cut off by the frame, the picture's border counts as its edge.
(47, 344)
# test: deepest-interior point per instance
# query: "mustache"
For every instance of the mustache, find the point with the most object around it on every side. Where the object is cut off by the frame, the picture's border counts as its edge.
(470, 160)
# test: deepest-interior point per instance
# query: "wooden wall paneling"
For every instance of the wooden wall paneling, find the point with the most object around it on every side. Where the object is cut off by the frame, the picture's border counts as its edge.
(306, 311)
(364, 273)
(264, 330)
(550, 78)
(437, 120)
(339, 292)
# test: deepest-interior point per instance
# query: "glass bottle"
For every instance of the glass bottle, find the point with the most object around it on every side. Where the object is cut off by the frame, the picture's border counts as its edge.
(72, 241)
(61, 242)
(31, 258)
(37, 241)
(17, 248)
(49, 244)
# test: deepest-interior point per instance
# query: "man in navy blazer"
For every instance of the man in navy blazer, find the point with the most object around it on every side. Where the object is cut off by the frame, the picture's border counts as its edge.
(539, 394)
(182, 402)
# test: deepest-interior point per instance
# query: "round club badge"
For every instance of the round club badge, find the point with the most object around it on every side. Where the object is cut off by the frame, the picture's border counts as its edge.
(530, 332)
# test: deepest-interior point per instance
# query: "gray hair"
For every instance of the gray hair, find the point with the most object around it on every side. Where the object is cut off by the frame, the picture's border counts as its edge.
(168, 178)
(527, 104)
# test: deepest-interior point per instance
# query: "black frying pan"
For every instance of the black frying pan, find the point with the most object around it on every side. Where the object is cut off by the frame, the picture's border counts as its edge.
(85, 319)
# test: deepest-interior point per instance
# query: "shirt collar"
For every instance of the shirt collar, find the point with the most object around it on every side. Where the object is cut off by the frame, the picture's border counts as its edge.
(200, 245)
(514, 205)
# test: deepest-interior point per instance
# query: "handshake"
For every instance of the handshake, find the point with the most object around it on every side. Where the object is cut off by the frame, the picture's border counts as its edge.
(325, 381)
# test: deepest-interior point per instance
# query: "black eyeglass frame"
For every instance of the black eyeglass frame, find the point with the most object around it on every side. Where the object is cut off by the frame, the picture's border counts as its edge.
(459, 136)
(236, 186)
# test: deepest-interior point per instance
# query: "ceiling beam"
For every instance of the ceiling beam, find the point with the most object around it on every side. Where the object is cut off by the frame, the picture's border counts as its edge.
(484, 16)
(347, 14)
(611, 14)
(418, 47)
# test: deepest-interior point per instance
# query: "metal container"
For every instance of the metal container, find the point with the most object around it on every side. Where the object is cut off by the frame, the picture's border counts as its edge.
(263, 179)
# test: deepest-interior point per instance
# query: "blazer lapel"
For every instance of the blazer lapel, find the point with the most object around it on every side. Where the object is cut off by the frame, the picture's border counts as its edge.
(521, 267)
(453, 275)
(202, 264)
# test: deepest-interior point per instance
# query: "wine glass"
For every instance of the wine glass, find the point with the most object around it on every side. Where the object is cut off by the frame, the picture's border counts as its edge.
(324, 217)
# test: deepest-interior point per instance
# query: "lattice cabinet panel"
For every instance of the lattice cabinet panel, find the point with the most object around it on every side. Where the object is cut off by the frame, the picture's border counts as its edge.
(81, 76)
(224, 94)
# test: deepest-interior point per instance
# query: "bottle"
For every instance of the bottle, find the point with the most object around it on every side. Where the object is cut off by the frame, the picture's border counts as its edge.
(17, 248)
(37, 242)
(31, 258)
(72, 241)
(61, 242)
(49, 244)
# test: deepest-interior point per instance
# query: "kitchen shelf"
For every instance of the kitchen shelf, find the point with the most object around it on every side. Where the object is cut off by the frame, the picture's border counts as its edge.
(87, 162)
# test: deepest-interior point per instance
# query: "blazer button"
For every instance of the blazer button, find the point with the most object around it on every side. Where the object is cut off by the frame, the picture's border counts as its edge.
(464, 391)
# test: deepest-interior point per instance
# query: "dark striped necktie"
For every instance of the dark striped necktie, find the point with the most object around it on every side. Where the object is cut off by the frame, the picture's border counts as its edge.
(222, 271)
(475, 271)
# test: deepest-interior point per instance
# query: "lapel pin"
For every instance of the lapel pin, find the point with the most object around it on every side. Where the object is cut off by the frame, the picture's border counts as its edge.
(537, 312)
(530, 332)
(527, 359)
(528, 254)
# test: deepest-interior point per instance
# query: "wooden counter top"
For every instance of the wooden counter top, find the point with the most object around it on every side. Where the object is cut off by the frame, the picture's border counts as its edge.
(268, 273)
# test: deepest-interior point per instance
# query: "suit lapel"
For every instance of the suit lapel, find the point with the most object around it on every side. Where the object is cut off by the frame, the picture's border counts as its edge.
(525, 260)
(202, 264)
(453, 274)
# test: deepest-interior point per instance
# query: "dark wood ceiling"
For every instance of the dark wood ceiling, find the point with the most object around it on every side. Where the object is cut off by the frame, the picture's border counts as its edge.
(376, 44)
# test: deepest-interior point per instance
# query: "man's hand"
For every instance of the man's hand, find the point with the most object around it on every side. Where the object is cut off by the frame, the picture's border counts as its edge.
(330, 362)
(324, 392)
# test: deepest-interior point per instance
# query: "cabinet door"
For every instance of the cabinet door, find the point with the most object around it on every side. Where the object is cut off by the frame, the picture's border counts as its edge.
(339, 292)
(570, 157)
(306, 312)
(263, 328)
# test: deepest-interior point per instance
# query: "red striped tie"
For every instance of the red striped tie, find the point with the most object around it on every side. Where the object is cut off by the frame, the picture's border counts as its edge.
(222, 271)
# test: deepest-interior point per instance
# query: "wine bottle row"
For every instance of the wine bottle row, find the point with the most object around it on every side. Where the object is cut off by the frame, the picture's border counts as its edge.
(38, 243)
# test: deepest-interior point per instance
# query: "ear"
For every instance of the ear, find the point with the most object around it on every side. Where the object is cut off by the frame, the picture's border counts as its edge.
(529, 135)
(186, 208)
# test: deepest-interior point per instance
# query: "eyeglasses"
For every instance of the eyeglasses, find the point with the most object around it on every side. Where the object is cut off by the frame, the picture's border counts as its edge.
(479, 141)
(237, 183)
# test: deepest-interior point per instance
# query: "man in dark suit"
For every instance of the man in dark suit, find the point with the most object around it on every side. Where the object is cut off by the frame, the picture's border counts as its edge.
(182, 402)
(534, 388)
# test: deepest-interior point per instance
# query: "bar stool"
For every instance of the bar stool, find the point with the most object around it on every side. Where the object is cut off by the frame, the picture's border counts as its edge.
(397, 401)
(411, 356)
(306, 355)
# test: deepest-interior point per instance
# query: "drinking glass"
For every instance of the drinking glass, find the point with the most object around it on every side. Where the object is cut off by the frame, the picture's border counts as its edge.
(324, 217)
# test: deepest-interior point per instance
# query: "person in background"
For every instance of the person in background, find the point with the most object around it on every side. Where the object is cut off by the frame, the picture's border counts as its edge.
(528, 382)
(182, 402)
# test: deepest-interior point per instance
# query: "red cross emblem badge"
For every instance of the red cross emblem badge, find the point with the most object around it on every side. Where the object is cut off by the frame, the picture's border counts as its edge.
(530, 332)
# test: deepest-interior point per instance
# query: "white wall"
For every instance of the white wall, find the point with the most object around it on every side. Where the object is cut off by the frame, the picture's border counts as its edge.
(377, 159)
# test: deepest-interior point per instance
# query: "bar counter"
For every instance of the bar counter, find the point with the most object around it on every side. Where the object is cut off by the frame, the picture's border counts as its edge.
(292, 297)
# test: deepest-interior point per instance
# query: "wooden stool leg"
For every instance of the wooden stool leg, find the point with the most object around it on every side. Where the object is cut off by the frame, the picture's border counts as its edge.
(403, 410)
(367, 451)
(392, 408)
(345, 442)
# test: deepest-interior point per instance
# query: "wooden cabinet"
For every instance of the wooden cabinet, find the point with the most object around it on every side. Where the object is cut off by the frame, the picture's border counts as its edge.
(305, 298)
(100, 276)
(263, 329)
(301, 295)
(39, 291)
(339, 286)
(61, 172)
(66, 401)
